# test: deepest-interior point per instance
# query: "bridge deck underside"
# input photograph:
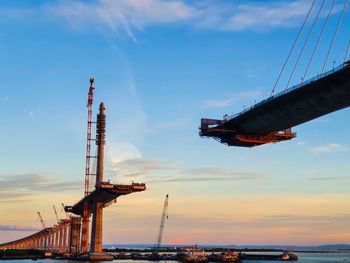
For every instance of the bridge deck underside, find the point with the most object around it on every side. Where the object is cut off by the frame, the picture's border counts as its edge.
(313, 100)
(104, 195)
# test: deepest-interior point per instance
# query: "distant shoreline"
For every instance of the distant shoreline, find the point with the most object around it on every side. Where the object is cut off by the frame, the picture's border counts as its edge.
(218, 249)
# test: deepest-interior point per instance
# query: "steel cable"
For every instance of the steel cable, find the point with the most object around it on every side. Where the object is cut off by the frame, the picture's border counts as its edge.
(307, 40)
(335, 34)
(290, 52)
(318, 41)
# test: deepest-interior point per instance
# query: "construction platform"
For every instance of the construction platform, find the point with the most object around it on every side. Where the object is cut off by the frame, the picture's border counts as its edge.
(271, 120)
(105, 193)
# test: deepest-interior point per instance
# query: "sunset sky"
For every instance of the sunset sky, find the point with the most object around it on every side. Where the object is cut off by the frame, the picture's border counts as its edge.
(160, 66)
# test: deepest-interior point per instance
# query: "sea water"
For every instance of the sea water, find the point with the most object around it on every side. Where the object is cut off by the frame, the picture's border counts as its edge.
(303, 258)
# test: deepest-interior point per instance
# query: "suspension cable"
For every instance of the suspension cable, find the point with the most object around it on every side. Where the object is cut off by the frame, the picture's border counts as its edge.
(111, 167)
(307, 40)
(318, 41)
(335, 34)
(347, 51)
(290, 52)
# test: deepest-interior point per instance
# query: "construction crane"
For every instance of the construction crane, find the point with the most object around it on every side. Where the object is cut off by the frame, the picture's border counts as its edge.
(67, 215)
(85, 229)
(54, 209)
(41, 220)
(162, 221)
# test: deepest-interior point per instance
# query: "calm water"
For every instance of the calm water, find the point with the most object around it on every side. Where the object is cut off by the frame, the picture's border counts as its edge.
(303, 258)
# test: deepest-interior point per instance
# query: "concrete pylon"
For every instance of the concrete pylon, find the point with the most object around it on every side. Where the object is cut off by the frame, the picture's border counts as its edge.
(96, 227)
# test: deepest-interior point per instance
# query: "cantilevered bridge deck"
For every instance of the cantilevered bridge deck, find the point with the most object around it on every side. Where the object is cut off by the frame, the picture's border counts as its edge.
(105, 193)
(270, 120)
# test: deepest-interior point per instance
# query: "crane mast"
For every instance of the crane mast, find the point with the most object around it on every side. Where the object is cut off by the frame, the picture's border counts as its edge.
(162, 221)
(67, 215)
(54, 209)
(85, 230)
(41, 220)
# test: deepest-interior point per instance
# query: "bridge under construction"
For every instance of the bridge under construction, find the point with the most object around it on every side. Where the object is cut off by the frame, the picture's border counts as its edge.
(71, 236)
(271, 120)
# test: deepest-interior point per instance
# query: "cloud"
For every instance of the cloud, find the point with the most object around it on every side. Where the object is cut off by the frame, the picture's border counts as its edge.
(339, 178)
(18, 228)
(328, 148)
(33, 182)
(126, 15)
(209, 174)
(233, 177)
(231, 99)
(267, 15)
(141, 167)
(133, 16)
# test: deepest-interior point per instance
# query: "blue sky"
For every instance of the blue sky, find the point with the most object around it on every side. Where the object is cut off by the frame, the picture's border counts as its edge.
(160, 66)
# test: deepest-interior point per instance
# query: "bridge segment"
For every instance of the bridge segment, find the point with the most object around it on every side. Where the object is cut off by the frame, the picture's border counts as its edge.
(271, 120)
(56, 239)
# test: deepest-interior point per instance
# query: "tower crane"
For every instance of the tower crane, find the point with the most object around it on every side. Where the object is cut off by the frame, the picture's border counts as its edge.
(162, 221)
(85, 229)
(41, 220)
(54, 209)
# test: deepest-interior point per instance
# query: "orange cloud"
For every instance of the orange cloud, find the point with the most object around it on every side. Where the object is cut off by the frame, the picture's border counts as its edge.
(178, 241)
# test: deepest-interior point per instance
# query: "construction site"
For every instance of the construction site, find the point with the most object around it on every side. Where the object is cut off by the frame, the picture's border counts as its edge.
(72, 237)
(79, 236)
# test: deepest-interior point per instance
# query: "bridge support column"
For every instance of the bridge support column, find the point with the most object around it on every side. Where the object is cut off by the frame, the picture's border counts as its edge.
(36, 242)
(49, 247)
(41, 242)
(64, 244)
(96, 227)
(56, 238)
(69, 231)
(96, 234)
(75, 235)
(60, 249)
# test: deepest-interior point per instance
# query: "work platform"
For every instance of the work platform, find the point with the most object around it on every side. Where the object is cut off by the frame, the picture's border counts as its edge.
(271, 120)
(105, 193)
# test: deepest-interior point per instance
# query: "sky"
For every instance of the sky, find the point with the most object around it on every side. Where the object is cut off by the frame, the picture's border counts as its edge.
(159, 67)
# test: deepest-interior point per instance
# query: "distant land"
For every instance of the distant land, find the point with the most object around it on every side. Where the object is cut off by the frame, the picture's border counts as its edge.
(276, 247)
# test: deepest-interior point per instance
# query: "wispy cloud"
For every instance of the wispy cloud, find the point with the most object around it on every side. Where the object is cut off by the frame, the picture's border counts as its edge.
(206, 174)
(132, 16)
(234, 176)
(339, 178)
(172, 173)
(228, 101)
(267, 15)
(328, 148)
(126, 15)
(140, 167)
(18, 228)
(24, 184)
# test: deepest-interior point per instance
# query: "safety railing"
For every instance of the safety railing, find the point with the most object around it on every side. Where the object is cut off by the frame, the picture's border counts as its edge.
(319, 76)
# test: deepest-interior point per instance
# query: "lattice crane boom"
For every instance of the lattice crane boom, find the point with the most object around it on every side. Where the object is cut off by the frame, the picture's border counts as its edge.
(162, 221)
(41, 220)
(67, 215)
(54, 209)
(84, 241)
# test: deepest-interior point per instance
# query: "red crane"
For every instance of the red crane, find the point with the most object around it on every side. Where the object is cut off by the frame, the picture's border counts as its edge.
(84, 239)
